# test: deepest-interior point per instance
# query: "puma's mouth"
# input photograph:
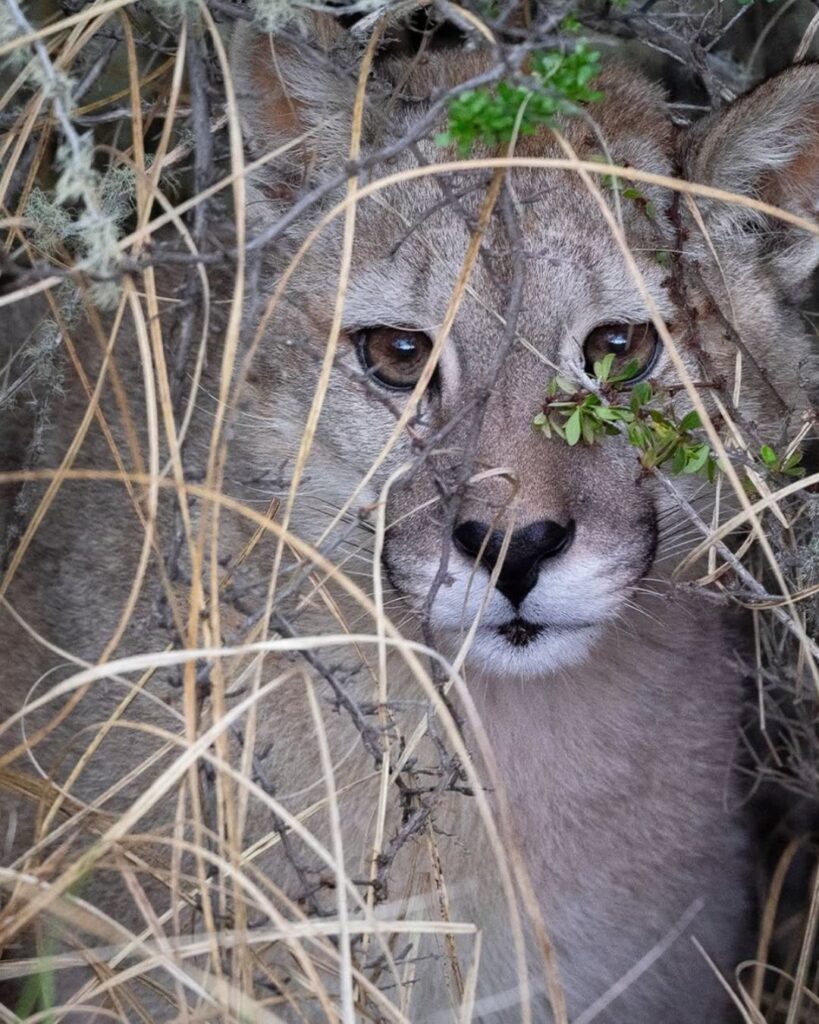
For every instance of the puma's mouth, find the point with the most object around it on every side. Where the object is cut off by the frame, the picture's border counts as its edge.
(520, 648)
(520, 632)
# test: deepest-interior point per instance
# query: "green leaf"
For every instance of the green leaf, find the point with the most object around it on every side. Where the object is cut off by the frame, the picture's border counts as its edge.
(573, 428)
(678, 463)
(602, 367)
(614, 414)
(640, 395)
(638, 435)
(768, 455)
(691, 421)
(570, 23)
(630, 370)
(589, 428)
(696, 458)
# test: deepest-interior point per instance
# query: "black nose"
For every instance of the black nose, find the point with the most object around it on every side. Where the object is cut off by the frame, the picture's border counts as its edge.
(528, 547)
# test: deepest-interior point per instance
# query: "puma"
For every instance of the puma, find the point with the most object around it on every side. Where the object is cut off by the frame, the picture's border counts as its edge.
(609, 695)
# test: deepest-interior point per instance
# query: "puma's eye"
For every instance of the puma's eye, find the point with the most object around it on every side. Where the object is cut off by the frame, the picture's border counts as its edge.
(633, 345)
(394, 356)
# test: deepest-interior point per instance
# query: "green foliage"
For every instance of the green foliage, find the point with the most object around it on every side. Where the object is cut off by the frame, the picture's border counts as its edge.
(557, 83)
(786, 465)
(570, 23)
(662, 439)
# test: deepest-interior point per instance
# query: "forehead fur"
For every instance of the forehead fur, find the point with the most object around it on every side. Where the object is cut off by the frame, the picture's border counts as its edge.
(307, 85)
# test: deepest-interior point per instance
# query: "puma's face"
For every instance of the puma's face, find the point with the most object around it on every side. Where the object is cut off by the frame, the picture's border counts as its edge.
(469, 479)
(564, 531)
(525, 548)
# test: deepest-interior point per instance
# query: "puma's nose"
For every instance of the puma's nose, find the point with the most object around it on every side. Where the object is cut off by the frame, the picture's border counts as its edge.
(528, 547)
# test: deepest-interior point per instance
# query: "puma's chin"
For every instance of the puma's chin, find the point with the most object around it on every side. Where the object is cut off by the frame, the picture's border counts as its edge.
(523, 649)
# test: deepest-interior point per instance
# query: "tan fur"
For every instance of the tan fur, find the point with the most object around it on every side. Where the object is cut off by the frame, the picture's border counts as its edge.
(614, 747)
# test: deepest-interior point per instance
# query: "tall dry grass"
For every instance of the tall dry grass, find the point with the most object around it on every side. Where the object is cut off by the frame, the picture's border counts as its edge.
(121, 134)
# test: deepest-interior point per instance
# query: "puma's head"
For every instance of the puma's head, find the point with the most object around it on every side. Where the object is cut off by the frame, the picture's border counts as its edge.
(467, 479)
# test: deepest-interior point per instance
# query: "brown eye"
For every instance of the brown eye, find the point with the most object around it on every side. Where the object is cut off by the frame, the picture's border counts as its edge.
(394, 356)
(635, 347)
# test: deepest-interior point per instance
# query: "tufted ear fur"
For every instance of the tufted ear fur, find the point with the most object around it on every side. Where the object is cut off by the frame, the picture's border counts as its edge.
(766, 145)
(300, 83)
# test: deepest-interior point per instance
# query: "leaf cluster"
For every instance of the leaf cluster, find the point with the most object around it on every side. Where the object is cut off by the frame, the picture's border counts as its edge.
(787, 465)
(556, 84)
(661, 437)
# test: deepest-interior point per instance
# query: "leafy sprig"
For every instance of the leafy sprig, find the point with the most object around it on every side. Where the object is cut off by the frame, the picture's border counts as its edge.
(579, 415)
(663, 439)
(556, 84)
(786, 465)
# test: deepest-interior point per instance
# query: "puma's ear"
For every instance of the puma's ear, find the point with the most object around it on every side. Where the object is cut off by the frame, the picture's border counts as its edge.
(765, 145)
(289, 86)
